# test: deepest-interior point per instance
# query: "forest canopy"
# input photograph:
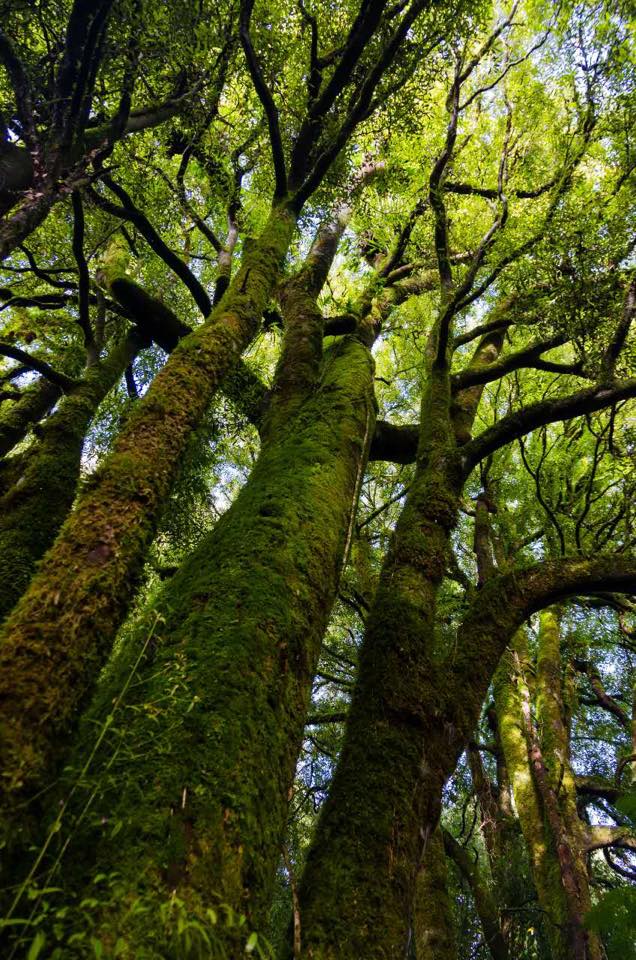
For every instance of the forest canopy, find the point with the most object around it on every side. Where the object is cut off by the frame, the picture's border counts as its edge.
(317, 487)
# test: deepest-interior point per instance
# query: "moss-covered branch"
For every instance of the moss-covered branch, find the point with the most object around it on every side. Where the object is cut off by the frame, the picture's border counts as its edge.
(17, 418)
(505, 602)
(600, 837)
(156, 322)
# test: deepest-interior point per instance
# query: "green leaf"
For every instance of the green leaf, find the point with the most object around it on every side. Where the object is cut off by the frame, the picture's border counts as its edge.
(36, 946)
(252, 942)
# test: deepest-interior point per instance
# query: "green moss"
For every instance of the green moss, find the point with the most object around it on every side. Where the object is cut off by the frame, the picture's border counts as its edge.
(433, 927)
(359, 881)
(16, 418)
(35, 505)
(79, 597)
(198, 763)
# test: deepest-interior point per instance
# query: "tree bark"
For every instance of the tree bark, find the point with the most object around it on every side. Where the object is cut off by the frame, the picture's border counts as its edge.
(19, 416)
(545, 796)
(362, 865)
(235, 642)
(223, 694)
(33, 509)
(81, 593)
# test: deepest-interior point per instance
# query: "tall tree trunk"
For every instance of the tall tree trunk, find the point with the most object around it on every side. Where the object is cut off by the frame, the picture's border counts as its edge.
(546, 807)
(81, 593)
(224, 688)
(378, 817)
(34, 508)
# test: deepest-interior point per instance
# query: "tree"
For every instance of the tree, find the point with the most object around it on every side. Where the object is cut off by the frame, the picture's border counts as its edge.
(359, 200)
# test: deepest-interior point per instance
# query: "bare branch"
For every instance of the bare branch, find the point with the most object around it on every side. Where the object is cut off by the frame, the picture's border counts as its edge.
(84, 278)
(265, 96)
(128, 211)
(602, 698)
(23, 94)
(40, 366)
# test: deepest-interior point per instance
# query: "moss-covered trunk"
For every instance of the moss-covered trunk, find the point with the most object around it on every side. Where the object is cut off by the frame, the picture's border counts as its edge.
(377, 821)
(81, 593)
(35, 506)
(552, 830)
(359, 882)
(224, 687)
(17, 417)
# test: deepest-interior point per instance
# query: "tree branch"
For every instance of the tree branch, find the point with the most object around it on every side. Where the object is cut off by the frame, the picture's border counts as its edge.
(600, 837)
(84, 278)
(160, 324)
(620, 335)
(490, 193)
(474, 376)
(602, 698)
(22, 90)
(595, 787)
(393, 442)
(265, 96)
(130, 212)
(545, 411)
(40, 366)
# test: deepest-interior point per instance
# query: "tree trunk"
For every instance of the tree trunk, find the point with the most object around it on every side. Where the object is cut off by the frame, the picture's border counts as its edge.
(81, 593)
(225, 685)
(34, 508)
(554, 839)
(399, 749)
